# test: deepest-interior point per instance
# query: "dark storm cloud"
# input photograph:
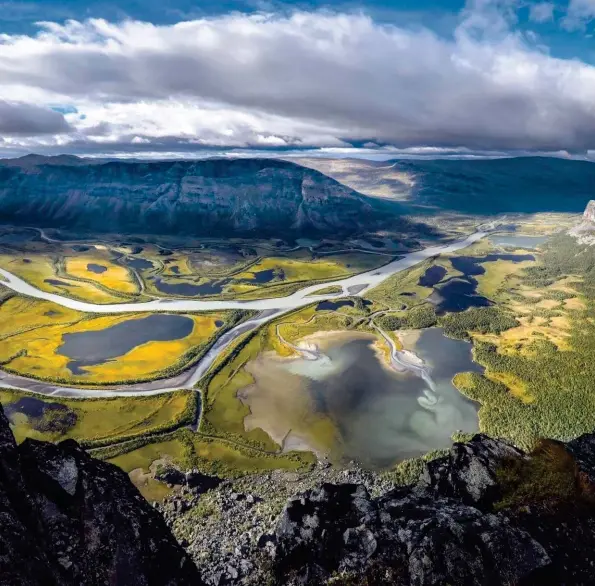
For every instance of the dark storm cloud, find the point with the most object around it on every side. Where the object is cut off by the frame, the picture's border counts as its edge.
(20, 119)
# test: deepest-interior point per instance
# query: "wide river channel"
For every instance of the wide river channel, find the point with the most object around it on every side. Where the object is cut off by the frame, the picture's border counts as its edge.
(268, 308)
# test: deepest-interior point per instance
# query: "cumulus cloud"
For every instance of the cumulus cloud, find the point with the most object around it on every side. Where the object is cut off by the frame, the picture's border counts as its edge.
(26, 119)
(541, 12)
(579, 13)
(303, 80)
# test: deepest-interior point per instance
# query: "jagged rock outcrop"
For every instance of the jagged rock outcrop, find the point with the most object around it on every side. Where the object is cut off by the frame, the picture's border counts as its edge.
(212, 197)
(453, 527)
(589, 213)
(69, 519)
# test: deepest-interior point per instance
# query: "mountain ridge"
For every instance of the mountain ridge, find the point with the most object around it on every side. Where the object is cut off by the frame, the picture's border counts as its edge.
(228, 197)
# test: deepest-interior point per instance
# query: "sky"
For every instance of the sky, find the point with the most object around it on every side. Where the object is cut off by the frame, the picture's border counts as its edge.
(379, 79)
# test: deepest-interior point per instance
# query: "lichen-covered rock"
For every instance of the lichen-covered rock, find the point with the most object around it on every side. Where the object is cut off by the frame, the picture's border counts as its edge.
(468, 472)
(69, 519)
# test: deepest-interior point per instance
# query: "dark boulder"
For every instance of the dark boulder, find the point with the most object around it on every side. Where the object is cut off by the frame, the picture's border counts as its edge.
(468, 472)
(70, 519)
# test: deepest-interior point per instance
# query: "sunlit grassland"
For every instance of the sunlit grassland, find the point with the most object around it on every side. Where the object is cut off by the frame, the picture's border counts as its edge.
(499, 275)
(103, 421)
(115, 277)
(40, 268)
(315, 269)
(31, 333)
(209, 455)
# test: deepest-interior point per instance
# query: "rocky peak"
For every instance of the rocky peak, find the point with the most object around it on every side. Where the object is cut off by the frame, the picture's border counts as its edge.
(68, 519)
(589, 213)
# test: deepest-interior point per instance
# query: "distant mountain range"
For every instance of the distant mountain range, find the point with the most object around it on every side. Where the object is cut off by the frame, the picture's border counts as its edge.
(226, 197)
(478, 186)
(279, 198)
(519, 185)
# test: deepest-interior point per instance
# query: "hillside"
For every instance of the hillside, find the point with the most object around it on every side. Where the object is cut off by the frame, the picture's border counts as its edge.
(487, 513)
(521, 185)
(478, 187)
(214, 197)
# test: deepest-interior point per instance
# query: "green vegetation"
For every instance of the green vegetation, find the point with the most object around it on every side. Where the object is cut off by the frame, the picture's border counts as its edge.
(417, 318)
(540, 363)
(549, 475)
(331, 290)
(482, 320)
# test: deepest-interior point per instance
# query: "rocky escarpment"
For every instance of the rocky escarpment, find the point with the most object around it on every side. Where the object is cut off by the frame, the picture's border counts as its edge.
(68, 519)
(584, 231)
(212, 197)
(486, 514)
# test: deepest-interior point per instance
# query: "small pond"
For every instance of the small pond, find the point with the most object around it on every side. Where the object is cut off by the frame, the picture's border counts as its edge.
(432, 276)
(268, 275)
(57, 283)
(140, 264)
(95, 268)
(62, 418)
(96, 347)
(191, 289)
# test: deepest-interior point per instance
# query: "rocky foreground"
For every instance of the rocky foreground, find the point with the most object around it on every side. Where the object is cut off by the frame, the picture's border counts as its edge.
(485, 514)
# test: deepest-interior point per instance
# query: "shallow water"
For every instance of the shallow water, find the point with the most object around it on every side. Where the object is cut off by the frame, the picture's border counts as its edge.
(140, 264)
(96, 347)
(349, 404)
(517, 241)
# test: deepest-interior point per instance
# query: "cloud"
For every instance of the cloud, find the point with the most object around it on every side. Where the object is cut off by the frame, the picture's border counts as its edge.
(302, 80)
(579, 13)
(541, 12)
(20, 119)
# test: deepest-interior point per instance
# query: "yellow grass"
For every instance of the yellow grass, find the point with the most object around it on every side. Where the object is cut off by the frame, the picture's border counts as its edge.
(24, 327)
(498, 275)
(98, 419)
(515, 385)
(115, 277)
(42, 268)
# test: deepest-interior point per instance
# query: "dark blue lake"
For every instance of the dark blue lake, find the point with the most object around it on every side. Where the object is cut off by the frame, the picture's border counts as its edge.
(140, 264)
(97, 269)
(432, 276)
(460, 293)
(190, 289)
(91, 348)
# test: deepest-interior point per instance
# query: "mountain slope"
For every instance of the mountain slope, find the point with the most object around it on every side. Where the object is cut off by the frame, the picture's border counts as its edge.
(227, 197)
(520, 185)
(511, 185)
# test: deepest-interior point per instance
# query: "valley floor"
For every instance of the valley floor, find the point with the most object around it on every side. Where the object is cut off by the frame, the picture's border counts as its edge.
(526, 311)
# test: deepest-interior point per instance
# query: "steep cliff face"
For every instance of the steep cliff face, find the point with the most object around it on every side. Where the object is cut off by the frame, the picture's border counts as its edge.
(224, 197)
(68, 519)
(589, 213)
